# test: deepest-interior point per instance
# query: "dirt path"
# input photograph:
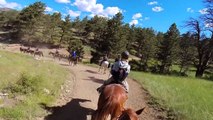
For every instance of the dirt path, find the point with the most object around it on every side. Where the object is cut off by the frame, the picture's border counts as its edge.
(78, 98)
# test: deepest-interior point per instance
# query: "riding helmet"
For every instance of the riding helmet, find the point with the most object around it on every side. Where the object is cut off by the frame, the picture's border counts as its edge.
(125, 54)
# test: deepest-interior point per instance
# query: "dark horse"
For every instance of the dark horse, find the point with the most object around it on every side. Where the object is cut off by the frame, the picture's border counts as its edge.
(73, 60)
(111, 103)
(56, 55)
(39, 53)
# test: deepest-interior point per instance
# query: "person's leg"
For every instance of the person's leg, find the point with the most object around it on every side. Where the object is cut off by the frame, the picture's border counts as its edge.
(126, 85)
(107, 82)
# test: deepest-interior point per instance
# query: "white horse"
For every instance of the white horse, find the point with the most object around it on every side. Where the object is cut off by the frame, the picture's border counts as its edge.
(103, 67)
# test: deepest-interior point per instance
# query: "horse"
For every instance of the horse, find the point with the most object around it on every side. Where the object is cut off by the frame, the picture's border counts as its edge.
(111, 103)
(30, 51)
(130, 114)
(22, 49)
(103, 66)
(39, 53)
(73, 60)
(55, 54)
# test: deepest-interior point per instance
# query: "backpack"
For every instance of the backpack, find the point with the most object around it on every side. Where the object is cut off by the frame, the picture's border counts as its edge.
(119, 75)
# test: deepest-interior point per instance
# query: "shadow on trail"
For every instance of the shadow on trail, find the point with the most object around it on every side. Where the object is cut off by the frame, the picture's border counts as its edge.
(97, 80)
(71, 111)
(90, 71)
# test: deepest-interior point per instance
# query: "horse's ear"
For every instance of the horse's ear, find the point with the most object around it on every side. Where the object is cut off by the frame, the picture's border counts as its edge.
(138, 112)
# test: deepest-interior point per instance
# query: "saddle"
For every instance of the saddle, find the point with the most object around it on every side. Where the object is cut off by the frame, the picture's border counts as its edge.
(100, 89)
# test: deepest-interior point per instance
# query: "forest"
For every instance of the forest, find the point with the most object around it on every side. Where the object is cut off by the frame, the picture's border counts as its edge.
(158, 52)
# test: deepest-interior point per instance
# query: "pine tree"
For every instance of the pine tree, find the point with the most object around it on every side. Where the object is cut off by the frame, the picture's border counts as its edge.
(29, 20)
(167, 49)
(187, 52)
(66, 31)
(116, 39)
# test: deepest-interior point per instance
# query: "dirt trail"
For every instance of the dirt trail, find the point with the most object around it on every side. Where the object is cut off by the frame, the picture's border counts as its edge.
(78, 98)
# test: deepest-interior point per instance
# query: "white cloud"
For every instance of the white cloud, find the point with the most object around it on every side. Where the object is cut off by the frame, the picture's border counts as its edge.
(157, 9)
(85, 5)
(48, 9)
(2, 2)
(13, 5)
(203, 11)
(97, 9)
(110, 11)
(208, 25)
(134, 22)
(153, 3)
(94, 8)
(74, 13)
(146, 18)
(136, 16)
(190, 10)
(63, 1)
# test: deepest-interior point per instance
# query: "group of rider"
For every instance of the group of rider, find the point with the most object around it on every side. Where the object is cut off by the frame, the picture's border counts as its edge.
(119, 71)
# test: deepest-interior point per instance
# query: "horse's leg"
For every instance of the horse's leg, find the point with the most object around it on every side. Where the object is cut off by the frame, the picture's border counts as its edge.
(105, 69)
(99, 69)
(69, 61)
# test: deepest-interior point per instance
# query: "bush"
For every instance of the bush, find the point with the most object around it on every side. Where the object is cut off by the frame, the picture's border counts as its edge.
(133, 52)
(95, 57)
(135, 65)
(27, 84)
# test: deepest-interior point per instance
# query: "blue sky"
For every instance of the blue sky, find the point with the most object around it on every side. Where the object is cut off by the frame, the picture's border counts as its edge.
(158, 14)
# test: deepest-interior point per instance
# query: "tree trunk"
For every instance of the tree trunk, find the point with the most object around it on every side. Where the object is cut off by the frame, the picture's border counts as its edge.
(199, 72)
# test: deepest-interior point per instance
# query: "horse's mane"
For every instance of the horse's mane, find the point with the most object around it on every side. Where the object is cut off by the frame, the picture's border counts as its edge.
(110, 102)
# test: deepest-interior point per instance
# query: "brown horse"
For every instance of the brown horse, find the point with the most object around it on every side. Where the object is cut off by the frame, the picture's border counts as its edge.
(38, 52)
(22, 49)
(129, 114)
(111, 103)
(73, 60)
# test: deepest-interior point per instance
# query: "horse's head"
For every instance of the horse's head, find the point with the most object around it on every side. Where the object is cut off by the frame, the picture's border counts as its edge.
(129, 114)
(111, 102)
(50, 53)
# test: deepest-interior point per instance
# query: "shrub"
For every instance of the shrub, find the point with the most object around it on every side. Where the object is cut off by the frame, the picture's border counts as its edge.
(135, 65)
(27, 84)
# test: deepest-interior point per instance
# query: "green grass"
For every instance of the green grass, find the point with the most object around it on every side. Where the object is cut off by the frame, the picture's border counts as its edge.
(49, 75)
(189, 98)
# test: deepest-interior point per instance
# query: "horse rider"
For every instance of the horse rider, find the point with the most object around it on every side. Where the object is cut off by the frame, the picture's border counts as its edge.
(74, 54)
(119, 72)
(104, 59)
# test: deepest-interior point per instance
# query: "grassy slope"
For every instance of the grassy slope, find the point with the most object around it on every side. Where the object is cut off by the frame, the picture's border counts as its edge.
(12, 65)
(190, 98)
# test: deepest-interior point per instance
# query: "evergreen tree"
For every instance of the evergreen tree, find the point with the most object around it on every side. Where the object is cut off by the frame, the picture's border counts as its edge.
(115, 38)
(29, 20)
(167, 49)
(96, 29)
(8, 20)
(131, 38)
(187, 52)
(66, 33)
